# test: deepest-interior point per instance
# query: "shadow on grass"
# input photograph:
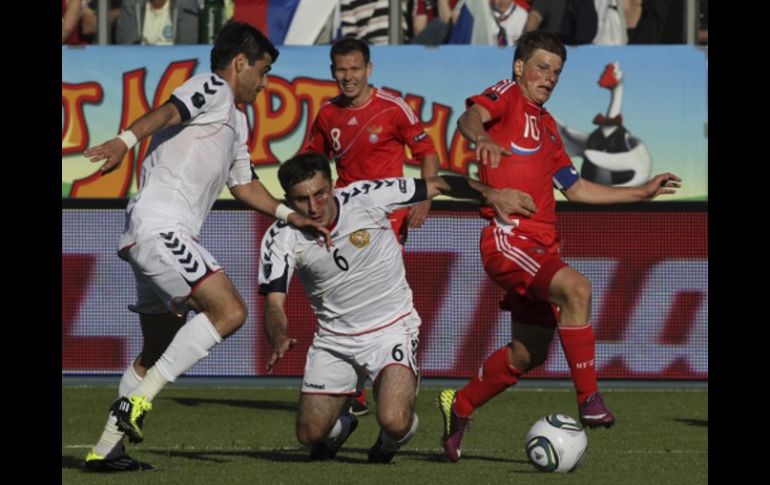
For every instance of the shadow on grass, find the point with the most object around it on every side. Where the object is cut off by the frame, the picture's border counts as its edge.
(238, 403)
(693, 422)
(346, 455)
(223, 456)
(71, 462)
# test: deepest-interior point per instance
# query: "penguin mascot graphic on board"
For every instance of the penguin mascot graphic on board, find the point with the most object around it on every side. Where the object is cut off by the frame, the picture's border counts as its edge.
(611, 155)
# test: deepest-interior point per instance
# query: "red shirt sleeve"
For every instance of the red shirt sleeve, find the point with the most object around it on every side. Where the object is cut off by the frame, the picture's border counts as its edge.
(412, 133)
(492, 99)
(560, 159)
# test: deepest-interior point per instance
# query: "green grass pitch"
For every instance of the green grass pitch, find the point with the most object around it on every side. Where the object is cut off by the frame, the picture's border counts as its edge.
(231, 436)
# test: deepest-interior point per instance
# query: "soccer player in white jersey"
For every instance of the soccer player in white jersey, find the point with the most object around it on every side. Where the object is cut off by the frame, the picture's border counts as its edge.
(199, 145)
(367, 325)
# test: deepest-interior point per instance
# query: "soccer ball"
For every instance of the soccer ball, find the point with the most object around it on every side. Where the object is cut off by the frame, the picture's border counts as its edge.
(556, 443)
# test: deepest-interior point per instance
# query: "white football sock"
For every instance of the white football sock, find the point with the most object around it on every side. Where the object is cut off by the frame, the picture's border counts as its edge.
(128, 381)
(191, 344)
(108, 444)
(336, 430)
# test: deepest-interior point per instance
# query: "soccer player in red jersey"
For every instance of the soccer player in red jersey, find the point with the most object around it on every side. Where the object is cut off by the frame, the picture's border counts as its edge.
(364, 130)
(518, 146)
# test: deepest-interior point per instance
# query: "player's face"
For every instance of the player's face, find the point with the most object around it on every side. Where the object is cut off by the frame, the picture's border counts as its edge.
(352, 76)
(313, 199)
(538, 76)
(251, 79)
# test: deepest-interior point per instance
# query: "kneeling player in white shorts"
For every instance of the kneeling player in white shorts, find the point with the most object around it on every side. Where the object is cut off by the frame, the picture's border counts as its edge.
(367, 325)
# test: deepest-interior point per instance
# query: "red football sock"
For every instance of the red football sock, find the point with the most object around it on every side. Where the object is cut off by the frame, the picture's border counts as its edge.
(496, 375)
(362, 397)
(579, 345)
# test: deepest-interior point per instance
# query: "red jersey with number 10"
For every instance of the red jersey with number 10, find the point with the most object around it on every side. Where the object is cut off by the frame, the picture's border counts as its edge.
(529, 132)
(367, 142)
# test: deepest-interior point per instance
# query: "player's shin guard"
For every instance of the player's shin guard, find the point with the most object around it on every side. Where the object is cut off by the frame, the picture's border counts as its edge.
(190, 345)
(496, 375)
(579, 345)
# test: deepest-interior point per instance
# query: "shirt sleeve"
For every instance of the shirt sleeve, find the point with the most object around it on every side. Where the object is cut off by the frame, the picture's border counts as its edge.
(206, 93)
(564, 172)
(492, 99)
(413, 133)
(386, 194)
(241, 171)
(276, 261)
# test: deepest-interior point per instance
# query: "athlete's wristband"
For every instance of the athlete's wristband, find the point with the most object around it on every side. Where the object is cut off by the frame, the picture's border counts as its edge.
(282, 212)
(128, 138)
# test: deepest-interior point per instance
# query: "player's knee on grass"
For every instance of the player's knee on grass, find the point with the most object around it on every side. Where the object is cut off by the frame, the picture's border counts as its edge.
(309, 433)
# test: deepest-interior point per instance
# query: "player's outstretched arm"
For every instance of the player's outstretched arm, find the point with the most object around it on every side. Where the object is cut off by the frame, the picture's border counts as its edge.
(592, 193)
(276, 328)
(148, 124)
(418, 213)
(471, 125)
(256, 196)
(504, 201)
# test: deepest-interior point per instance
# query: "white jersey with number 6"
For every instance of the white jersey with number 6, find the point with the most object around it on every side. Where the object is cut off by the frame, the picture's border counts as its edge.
(360, 285)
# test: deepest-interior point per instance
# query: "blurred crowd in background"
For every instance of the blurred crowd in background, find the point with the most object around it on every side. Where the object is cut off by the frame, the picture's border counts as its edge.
(426, 22)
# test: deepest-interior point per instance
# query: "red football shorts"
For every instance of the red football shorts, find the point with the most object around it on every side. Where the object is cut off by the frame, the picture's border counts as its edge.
(524, 269)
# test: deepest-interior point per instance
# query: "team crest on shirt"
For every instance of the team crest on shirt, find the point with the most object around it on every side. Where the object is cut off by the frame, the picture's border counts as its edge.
(374, 131)
(359, 238)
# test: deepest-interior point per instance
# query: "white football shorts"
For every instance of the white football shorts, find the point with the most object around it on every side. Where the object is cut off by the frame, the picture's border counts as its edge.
(338, 365)
(167, 266)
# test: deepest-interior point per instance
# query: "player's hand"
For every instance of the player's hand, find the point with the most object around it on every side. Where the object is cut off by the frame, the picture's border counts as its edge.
(284, 346)
(319, 232)
(661, 184)
(417, 214)
(511, 201)
(488, 152)
(113, 151)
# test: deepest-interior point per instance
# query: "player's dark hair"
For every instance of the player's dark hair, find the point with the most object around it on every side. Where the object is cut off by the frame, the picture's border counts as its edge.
(303, 167)
(348, 45)
(529, 42)
(236, 38)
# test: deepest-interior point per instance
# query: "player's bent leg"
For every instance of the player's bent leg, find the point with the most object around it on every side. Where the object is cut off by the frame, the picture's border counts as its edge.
(322, 425)
(191, 343)
(396, 391)
(224, 306)
(571, 291)
(157, 333)
(110, 444)
(530, 345)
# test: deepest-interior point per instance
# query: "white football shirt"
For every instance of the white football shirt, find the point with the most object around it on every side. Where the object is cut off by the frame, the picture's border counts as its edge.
(360, 285)
(187, 165)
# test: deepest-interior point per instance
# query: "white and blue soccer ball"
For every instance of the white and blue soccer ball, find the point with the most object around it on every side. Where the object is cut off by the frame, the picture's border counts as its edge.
(556, 443)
